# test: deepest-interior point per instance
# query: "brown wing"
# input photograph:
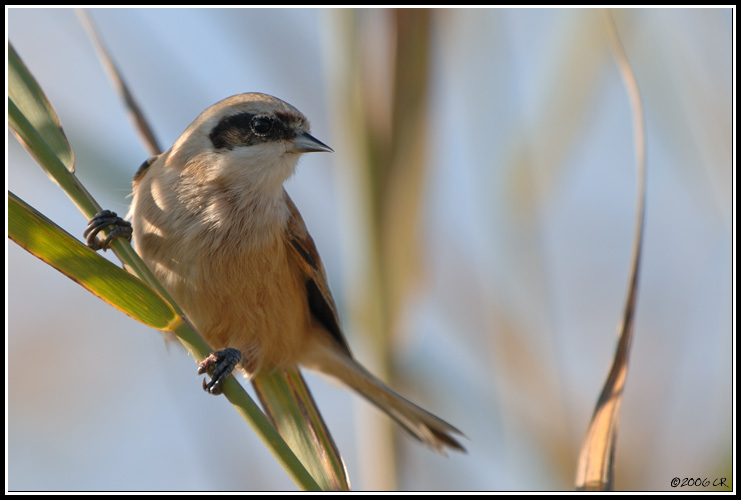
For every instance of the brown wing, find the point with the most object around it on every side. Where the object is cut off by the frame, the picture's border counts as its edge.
(321, 303)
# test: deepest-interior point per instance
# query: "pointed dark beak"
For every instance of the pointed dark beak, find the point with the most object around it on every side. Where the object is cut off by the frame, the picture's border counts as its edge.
(306, 143)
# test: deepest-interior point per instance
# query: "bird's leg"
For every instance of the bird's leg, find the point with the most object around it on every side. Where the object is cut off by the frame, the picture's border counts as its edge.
(102, 220)
(223, 362)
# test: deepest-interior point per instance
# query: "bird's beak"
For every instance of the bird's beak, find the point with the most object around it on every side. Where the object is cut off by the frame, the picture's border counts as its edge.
(306, 143)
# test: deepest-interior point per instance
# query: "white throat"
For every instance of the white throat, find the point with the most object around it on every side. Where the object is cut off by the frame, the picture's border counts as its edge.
(238, 194)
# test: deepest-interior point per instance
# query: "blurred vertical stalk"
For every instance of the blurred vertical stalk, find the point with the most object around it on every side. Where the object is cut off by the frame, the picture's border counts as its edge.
(380, 112)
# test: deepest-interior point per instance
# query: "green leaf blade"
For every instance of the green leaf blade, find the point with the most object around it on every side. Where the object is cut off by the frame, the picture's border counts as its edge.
(47, 241)
(25, 93)
(290, 406)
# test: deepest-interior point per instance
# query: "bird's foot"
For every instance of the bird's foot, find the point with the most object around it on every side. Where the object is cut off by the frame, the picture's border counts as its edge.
(102, 220)
(223, 363)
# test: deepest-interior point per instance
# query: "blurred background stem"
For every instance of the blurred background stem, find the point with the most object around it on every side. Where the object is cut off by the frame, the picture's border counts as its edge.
(385, 111)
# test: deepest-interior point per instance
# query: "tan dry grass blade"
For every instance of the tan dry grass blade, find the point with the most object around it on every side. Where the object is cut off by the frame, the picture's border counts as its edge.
(140, 122)
(596, 465)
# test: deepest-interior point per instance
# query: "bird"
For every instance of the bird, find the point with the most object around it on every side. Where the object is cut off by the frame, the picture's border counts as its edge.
(212, 220)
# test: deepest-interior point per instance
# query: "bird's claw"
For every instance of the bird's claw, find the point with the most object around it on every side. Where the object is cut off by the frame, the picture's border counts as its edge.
(223, 363)
(102, 220)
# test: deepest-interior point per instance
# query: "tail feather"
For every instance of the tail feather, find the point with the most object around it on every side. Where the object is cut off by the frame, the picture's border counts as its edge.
(419, 423)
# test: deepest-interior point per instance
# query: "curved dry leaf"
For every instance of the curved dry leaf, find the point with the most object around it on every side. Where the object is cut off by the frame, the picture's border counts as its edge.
(595, 470)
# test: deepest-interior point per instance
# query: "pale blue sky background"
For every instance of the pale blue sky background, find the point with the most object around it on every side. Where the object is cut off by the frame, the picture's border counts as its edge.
(528, 220)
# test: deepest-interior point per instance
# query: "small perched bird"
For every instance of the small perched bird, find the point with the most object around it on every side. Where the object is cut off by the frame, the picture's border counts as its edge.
(212, 221)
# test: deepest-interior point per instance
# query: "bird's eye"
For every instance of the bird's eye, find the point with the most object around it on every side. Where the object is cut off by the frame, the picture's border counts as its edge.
(261, 125)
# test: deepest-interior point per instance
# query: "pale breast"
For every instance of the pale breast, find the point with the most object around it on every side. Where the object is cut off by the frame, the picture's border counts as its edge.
(230, 274)
(247, 298)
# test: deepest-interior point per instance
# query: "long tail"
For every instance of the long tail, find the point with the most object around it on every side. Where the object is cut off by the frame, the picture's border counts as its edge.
(423, 425)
